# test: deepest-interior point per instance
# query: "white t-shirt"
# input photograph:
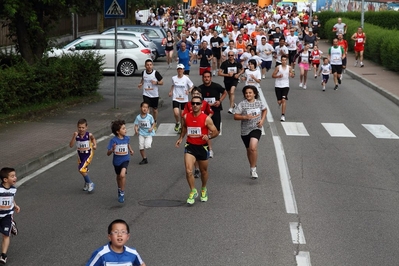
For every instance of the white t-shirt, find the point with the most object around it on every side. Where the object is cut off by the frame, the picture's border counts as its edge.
(263, 51)
(181, 87)
(250, 80)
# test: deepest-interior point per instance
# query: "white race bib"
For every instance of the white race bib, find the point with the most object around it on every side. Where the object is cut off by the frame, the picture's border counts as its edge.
(194, 132)
(211, 100)
(83, 145)
(121, 149)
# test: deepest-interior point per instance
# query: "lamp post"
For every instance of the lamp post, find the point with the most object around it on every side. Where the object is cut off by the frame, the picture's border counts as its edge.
(362, 15)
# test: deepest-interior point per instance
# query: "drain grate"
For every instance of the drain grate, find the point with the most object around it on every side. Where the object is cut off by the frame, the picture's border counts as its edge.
(162, 203)
(369, 74)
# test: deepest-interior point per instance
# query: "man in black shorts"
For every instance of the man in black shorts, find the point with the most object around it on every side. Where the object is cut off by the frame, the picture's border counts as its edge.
(200, 129)
(214, 94)
(231, 71)
(150, 80)
(216, 44)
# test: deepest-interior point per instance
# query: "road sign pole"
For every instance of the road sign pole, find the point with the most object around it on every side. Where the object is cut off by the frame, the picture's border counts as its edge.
(116, 62)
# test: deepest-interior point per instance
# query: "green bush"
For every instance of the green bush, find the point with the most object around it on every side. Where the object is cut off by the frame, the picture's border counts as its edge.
(49, 80)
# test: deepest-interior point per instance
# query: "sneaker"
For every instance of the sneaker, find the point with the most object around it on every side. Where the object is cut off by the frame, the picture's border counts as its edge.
(336, 87)
(91, 187)
(254, 174)
(3, 261)
(213, 73)
(14, 229)
(339, 80)
(196, 173)
(263, 76)
(144, 161)
(86, 187)
(355, 64)
(204, 194)
(315, 76)
(231, 110)
(177, 127)
(304, 87)
(300, 85)
(155, 128)
(192, 196)
(210, 153)
(121, 197)
(361, 64)
(282, 118)
(324, 88)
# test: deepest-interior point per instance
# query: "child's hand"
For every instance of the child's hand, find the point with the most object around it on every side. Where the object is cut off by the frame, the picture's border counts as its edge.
(17, 208)
(113, 147)
(75, 134)
(131, 152)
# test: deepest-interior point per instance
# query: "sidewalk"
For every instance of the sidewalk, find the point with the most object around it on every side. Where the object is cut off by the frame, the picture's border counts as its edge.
(31, 145)
(372, 75)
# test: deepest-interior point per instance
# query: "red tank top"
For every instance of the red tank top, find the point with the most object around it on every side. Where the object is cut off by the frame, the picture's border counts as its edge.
(359, 39)
(196, 128)
(316, 56)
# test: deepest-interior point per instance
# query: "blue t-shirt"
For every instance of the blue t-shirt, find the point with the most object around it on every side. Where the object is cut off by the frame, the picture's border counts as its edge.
(106, 256)
(121, 153)
(144, 124)
(184, 58)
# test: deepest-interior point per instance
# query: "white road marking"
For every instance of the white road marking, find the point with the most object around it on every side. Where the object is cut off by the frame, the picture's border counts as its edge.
(338, 130)
(60, 160)
(380, 131)
(285, 178)
(295, 129)
(166, 129)
(297, 234)
(303, 258)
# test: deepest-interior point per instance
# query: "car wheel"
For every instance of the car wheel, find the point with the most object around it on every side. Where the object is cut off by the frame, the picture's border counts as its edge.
(127, 67)
(156, 56)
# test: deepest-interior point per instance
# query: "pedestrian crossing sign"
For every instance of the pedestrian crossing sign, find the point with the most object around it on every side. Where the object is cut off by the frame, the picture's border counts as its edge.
(115, 8)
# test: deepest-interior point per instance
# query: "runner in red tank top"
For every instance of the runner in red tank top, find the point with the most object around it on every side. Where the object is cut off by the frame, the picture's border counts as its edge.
(199, 128)
(360, 40)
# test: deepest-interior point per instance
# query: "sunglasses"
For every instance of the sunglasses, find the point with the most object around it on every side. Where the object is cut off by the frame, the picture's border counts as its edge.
(196, 103)
(231, 55)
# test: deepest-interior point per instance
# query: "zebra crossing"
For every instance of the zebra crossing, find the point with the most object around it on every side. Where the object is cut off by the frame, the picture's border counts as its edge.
(335, 130)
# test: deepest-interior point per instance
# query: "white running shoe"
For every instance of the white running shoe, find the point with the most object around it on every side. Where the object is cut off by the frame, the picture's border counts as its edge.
(254, 174)
(214, 73)
(324, 88)
(210, 153)
(91, 187)
(355, 64)
(86, 187)
(231, 110)
(300, 85)
(263, 76)
(282, 119)
(304, 87)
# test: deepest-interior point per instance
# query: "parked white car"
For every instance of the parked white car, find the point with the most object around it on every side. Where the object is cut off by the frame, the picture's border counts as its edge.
(131, 54)
(143, 37)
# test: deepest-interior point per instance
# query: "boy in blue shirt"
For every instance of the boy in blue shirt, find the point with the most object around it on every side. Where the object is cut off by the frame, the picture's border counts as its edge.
(115, 252)
(144, 128)
(120, 147)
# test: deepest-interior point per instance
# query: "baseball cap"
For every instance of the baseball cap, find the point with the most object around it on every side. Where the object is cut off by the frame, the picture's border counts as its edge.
(180, 66)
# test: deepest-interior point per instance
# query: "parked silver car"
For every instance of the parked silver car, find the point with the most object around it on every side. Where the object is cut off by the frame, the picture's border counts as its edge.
(131, 55)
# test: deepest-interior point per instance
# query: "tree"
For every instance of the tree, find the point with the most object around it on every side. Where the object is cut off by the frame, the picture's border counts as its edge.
(30, 21)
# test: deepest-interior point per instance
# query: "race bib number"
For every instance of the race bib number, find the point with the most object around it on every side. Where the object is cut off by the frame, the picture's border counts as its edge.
(6, 203)
(169, 44)
(196, 47)
(215, 44)
(118, 264)
(145, 124)
(194, 131)
(240, 50)
(148, 86)
(315, 23)
(83, 145)
(360, 40)
(305, 61)
(253, 112)
(311, 45)
(121, 149)
(232, 70)
(211, 100)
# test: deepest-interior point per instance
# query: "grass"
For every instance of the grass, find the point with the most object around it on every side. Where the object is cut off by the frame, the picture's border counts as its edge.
(39, 111)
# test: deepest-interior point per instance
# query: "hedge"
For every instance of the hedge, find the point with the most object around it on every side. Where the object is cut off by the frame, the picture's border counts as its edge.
(382, 45)
(383, 19)
(49, 80)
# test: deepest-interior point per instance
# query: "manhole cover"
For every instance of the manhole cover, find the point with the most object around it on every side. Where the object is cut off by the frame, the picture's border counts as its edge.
(162, 203)
(365, 74)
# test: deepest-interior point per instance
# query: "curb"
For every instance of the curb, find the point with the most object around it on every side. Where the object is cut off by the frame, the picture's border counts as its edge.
(375, 87)
(49, 157)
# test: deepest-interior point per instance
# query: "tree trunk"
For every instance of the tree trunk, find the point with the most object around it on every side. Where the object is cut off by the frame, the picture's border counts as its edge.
(23, 40)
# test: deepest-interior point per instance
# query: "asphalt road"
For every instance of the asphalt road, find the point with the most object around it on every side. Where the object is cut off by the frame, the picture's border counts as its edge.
(330, 200)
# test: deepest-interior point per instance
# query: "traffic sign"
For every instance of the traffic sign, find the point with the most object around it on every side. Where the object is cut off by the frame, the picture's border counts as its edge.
(115, 9)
